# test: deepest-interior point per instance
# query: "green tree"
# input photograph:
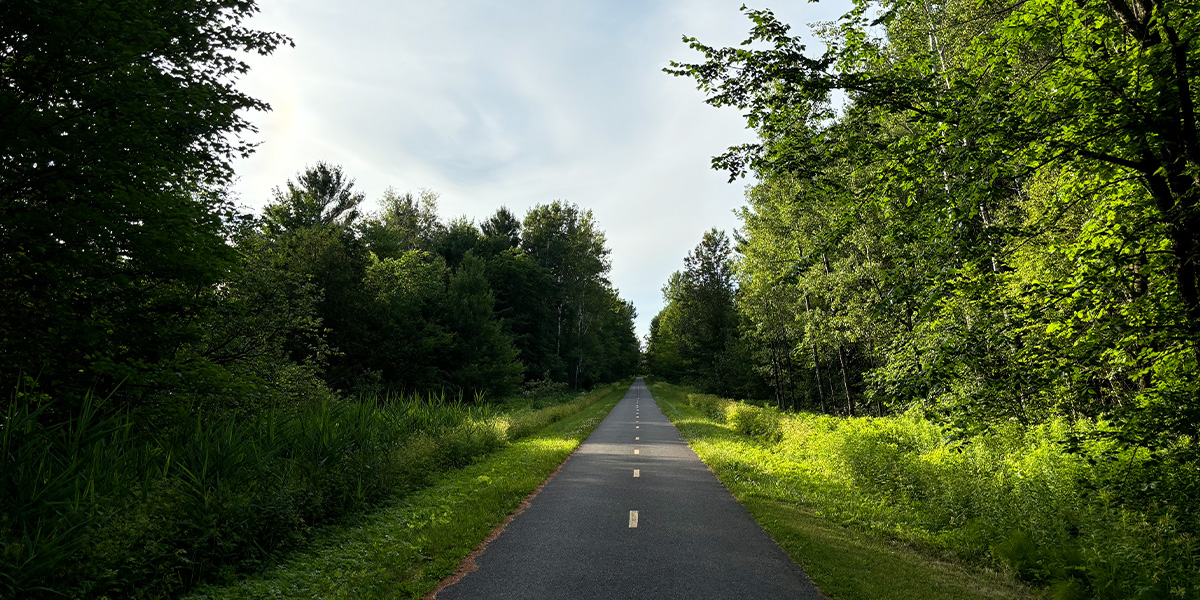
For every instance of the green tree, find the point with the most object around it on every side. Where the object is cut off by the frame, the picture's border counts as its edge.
(459, 237)
(404, 223)
(312, 223)
(957, 120)
(524, 294)
(708, 316)
(322, 195)
(696, 336)
(564, 240)
(118, 124)
(260, 345)
(501, 231)
(485, 359)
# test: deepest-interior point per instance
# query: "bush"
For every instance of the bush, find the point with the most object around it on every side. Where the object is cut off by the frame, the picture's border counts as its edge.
(1013, 496)
(712, 406)
(541, 389)
(522, 423)
(750, 420)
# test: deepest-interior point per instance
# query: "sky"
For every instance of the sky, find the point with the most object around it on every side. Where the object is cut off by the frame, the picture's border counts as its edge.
(513, 103)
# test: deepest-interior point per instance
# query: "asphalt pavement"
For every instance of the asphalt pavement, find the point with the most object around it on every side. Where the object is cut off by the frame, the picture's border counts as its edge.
(633, 514)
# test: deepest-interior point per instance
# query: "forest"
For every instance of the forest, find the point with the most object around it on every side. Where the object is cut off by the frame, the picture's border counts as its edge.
(974, 227)
(193, 385)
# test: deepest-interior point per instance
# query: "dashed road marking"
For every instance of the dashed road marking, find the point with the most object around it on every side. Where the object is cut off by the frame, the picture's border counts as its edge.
(637, 439)
(636, 451)
(637, 472)
(633, 519)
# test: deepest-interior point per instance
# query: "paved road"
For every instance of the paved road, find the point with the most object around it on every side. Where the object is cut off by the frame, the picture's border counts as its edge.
(580, 539)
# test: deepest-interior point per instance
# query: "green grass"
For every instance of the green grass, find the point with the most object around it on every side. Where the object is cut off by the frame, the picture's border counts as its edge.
(849, 564)
(406, 548)
(846, 563)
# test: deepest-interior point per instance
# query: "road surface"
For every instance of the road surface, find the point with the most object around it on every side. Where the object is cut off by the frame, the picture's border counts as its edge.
(633, 514)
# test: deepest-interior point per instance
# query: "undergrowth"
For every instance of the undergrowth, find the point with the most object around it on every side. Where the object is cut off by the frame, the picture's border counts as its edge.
(1014, 498)
(98, 508)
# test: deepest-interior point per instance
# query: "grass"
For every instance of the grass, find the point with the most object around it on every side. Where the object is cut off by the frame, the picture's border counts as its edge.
(845, 562)
(850, 564)
(406, 548)
(97, 507)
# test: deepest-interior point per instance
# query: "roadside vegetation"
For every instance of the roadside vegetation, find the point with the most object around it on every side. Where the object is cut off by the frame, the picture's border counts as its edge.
(968, 268)
(193, 386)
(404, 549)
(885, 507)
(102, 513)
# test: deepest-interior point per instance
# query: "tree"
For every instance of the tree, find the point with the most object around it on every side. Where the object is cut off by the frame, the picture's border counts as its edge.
(696, 335)
(708, 316)
(260, 345)
(564, 240)
(335, 263)
(458, 238)
(405, 223)
(320, 196)
(118, 122)
(524, 294)
(1000, 221)
(662, 348)
(485, 359)
(502, 230)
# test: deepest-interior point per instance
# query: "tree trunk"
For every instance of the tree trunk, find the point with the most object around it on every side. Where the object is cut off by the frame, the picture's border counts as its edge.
(816, 362)
(845, 383)
(775, 371)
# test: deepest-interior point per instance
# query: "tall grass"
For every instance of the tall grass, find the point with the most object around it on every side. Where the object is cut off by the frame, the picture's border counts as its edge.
(1013, 498)
(97, 507)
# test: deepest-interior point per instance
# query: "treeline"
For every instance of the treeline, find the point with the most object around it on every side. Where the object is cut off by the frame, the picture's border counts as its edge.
(404, 301)
(129, 273)
(316, 297)
(997, 223)
(982, 213)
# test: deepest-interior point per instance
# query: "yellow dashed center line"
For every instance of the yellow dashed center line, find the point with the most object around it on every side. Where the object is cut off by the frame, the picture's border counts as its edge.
(636, 451)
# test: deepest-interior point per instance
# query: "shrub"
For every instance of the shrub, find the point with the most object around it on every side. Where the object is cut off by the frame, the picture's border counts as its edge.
(763, 423)
(523, 423)
(540, 389)
(712, 406)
